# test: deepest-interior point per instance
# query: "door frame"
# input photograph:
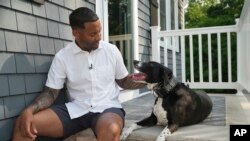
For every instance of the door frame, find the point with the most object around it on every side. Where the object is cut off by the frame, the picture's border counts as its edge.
(101, 11)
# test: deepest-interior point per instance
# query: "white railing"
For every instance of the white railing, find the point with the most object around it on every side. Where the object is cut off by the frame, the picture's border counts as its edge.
(200, 34)
(124, 43)
(191, 41)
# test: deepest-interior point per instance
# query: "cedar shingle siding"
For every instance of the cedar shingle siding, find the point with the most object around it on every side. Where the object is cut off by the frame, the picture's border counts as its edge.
(144, 30)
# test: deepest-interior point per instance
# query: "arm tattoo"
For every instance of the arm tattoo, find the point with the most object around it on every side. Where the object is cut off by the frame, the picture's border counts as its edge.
(128, 83)
(44, 100)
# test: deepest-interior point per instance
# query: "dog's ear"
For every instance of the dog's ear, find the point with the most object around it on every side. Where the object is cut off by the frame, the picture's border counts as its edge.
(168, 74)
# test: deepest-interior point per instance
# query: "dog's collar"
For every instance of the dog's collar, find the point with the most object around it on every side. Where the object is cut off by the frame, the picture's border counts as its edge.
(170, 84)
(152, 86)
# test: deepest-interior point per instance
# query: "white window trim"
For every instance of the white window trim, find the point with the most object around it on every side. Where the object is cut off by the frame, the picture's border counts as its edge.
(102, 12)
(135, 29)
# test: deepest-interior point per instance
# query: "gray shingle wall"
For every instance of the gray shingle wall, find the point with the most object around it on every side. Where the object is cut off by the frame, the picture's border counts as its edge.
(144, 30)
(6, 128)
(2, 41)
(8, 19)
(4, 87)
(7, 63)
(16, 84)
(30, 35)
(42, 26)
(26, 23)
(1, 108)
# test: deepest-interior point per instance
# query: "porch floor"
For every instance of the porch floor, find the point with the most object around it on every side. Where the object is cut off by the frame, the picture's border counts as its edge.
(228, 109)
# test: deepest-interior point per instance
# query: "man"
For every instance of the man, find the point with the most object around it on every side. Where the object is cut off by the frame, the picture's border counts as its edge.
(92, 70)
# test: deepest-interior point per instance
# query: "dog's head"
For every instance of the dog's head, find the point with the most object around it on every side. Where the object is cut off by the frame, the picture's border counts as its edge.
(154, 72)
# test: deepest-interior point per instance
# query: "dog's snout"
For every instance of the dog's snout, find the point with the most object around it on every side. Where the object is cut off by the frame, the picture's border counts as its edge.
(136, 62)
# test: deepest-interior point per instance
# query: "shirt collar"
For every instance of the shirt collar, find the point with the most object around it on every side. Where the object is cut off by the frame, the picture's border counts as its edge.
(77, 49)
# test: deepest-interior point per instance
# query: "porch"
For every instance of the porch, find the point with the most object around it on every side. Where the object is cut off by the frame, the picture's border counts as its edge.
(228, 109)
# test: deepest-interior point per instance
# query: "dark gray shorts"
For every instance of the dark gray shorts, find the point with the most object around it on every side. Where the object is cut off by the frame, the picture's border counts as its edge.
(89, 120)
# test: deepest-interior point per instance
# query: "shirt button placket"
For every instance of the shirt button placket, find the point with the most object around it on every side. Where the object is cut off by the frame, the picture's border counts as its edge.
(90, 59)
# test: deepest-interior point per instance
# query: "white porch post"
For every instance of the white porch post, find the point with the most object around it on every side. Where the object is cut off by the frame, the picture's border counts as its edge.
(167, 40)
(155, 43)
(102, 12)
(135, 29)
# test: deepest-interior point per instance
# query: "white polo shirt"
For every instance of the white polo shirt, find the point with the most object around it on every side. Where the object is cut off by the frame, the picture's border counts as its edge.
(89, 77)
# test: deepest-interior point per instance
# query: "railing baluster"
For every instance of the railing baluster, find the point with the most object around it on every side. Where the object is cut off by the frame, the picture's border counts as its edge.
(183, 58)
(229, 57)
(191, 58)
(210, 73)
(174, 55)
(128, 53)
(219, 57)
(121, 46)
(200, 58)
(166, 45)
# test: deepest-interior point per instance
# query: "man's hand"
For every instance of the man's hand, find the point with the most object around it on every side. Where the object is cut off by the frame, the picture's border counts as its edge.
(129, 82)
(27, 126)
(26, 119)
(138, 77)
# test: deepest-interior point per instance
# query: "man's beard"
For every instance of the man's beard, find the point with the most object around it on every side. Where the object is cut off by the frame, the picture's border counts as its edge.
(89, 46)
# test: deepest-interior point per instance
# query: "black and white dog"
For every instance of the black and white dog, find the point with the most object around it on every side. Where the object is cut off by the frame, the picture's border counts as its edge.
(176, 104)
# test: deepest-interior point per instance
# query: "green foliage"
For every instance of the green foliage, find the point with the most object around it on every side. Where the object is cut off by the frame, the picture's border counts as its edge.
(208, 14)
(211, 13)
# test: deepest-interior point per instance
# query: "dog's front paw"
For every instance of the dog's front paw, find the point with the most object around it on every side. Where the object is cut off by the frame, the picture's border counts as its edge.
(124, 135)
(160, 138)
(166, 132)
(127, 132)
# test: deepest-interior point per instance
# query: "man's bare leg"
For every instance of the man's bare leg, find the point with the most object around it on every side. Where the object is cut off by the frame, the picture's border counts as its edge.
(109, 127)
(46, 123)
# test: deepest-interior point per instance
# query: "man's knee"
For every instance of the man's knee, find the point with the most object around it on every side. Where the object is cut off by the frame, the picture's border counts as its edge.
(109, 127)
(114, 128)
(111, 131)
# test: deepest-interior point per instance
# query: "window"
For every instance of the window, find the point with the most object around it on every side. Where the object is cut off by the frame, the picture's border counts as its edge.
(120, 28)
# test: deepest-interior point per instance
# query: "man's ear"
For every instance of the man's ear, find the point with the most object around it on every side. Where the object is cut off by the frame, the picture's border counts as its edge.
(75, 33)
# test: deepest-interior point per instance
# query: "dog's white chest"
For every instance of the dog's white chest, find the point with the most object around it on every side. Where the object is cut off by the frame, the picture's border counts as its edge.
(160, 113)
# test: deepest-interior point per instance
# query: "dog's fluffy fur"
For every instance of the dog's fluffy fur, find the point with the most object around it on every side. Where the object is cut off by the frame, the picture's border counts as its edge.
(176, 105)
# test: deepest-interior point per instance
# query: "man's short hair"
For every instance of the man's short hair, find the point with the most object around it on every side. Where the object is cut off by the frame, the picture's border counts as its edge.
(80, 16)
